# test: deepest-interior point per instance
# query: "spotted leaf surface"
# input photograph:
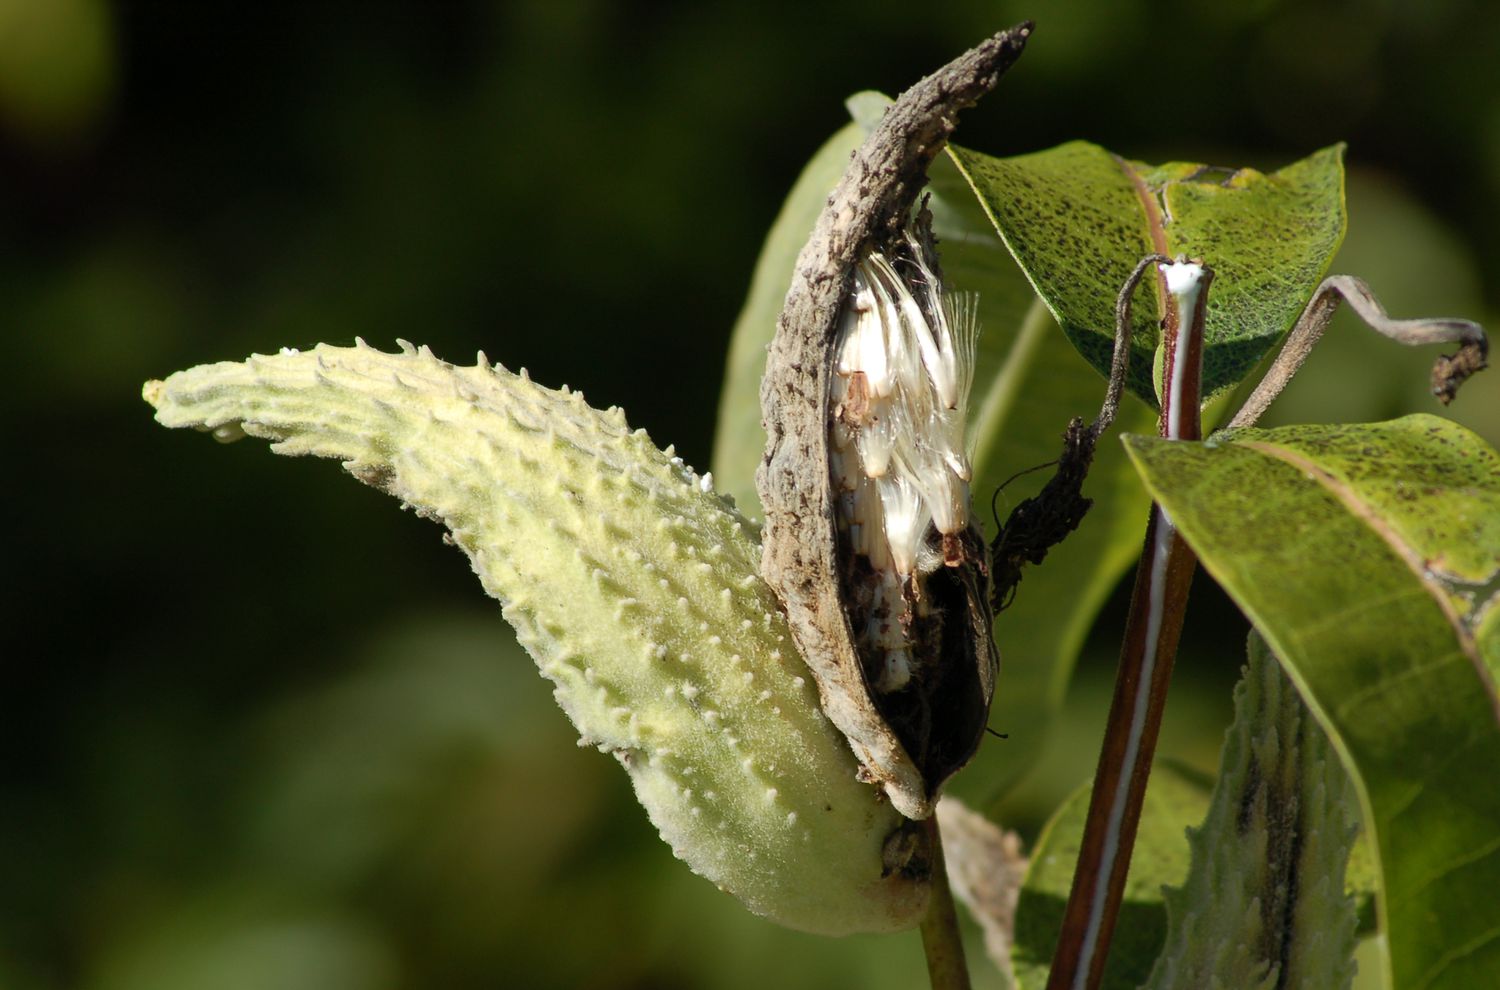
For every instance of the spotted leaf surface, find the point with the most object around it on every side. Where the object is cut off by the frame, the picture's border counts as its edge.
(1367, 557)
(1077, 218)
(633, 586)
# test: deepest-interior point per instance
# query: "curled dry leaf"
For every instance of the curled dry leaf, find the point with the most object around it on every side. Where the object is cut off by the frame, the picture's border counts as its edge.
(985, 868)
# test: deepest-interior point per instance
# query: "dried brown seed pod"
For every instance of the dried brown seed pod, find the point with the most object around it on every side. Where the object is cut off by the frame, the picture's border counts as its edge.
(911, 736)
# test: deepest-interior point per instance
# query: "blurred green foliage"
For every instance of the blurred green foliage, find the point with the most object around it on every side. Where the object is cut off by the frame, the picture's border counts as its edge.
(355, 779)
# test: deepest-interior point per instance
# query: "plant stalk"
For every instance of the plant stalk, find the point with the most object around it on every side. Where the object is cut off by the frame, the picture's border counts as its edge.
(941, 940)
(1157, 607)
(1448, 373)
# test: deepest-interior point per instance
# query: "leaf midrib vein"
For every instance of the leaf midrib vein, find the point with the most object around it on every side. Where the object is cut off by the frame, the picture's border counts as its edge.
(1367, 514)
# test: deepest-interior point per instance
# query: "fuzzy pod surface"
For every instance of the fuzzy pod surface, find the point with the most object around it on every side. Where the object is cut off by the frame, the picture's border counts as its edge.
(634, 587)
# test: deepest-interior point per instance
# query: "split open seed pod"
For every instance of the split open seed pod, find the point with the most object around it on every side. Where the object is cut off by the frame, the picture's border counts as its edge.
(907, 674)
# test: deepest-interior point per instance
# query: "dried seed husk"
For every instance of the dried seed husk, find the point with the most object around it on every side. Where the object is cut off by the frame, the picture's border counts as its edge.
(908, 742)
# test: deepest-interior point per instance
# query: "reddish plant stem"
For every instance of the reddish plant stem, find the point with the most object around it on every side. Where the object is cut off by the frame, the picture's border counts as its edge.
(1157, 606)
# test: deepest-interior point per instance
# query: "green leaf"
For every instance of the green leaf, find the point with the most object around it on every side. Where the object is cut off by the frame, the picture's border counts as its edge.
(1028, 383)
(1356, 551)
(739, 440)
(1488, 635)
(1078, 219)
(1272, 766)
(1174, 801)
(1264, 904)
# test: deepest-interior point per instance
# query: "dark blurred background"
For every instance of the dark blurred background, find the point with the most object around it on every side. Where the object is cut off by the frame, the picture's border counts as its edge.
(260, 729)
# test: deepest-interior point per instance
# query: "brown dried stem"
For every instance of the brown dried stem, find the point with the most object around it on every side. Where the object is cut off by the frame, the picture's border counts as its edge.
(1448, 373)
(1041, 522)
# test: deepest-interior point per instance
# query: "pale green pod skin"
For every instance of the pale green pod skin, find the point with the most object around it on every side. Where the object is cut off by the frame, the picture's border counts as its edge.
(1264, 904)
(634, 587)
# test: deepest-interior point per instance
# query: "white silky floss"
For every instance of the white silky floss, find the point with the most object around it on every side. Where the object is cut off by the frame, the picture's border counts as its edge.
(898, 402)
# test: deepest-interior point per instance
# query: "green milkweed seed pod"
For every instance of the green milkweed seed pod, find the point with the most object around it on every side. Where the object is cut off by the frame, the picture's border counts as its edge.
(635, 588)
(732, 701)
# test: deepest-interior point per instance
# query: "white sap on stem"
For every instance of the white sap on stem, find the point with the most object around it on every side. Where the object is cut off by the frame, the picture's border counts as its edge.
(1185, 281)
(1184, 285)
